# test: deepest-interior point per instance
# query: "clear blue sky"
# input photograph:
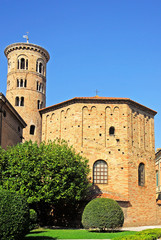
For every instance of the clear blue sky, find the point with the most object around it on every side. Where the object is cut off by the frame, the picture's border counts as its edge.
(110, 45)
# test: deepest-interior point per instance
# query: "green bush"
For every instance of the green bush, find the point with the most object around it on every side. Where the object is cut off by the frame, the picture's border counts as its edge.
(137, 237)
(33, 219)
(149, 234)
(102, 214)
(155, 231)
(14, 216)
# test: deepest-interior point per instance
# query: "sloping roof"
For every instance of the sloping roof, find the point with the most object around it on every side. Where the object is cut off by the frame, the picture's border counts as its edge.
(98, 99)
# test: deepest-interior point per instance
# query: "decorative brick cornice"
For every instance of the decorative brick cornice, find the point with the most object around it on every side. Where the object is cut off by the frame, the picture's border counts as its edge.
(26, 46)
(103, 100)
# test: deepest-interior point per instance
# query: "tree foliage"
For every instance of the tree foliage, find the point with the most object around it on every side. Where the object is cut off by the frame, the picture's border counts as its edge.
(48, 173)
(102, 213)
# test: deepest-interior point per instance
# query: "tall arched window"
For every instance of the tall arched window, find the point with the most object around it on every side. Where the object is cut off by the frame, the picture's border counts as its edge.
(22, 101)
(100, 170)
(22, 63)
(18, 82)
(40, 66)
(111, 131)
(141, 174)
(22, 66)
(17, 101)
(21, 83)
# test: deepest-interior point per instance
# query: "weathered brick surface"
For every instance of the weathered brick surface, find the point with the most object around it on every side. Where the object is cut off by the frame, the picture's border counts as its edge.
(86, 127)
(11, 124)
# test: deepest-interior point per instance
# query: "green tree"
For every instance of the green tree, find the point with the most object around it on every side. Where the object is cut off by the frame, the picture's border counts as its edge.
(48, 173)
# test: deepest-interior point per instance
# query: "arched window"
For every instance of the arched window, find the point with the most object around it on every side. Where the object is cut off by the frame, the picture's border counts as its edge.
(17, 101)
(22, 63)
(111, 131)
(21, 83)
(22, 101)
(25, 84)
(141, 174)
(100, 172)
(18, 82)
(40, 66)
(32, 129)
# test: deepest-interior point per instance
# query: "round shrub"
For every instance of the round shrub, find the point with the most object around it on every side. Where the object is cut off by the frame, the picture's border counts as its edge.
(14, 216)
(33, 219)
(102, 213)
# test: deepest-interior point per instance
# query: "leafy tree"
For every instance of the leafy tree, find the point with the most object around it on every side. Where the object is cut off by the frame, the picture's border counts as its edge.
(48, 173)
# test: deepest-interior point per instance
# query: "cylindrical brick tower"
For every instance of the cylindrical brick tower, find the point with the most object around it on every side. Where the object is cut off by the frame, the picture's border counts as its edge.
(26, 84)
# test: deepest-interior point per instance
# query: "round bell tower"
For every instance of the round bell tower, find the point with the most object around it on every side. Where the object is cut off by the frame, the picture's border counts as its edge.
(26, 84)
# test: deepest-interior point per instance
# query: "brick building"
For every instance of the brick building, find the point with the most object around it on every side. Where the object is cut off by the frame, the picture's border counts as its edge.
(115, 134)
(11, 124)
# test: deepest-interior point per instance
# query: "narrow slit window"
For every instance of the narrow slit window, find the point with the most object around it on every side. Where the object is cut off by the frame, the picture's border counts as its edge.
(141, 174)
(18, 82)
(22, 63)
(21, 83)
(17, 101)
(22, 101)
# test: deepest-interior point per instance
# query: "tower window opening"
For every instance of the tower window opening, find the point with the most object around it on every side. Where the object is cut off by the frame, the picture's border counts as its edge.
(18, 82)
(21, 83)
(111, 131)
(22, 63)
(39, 104)
(32, 129)
(22, 101)
(17, 101)
(25, 83)
(100, 170)
(141, 174)
(40, 66)
(26, 64)
(40, 87)
(18, 64)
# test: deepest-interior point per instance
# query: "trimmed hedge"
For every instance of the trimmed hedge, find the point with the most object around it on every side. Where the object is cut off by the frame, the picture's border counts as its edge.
(102, 214)
(14, 216)
(149, 234)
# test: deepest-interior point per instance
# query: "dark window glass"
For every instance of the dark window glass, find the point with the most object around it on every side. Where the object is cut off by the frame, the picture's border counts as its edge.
(22, 101)
(32, 129)
(25, 85)
(17, 101)
(112, 131)
(18, 83)
(22, 63)
(26, 64)
(21, 83)
(18, 64)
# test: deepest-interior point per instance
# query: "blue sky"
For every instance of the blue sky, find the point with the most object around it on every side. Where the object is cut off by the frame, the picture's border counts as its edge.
(110, 45)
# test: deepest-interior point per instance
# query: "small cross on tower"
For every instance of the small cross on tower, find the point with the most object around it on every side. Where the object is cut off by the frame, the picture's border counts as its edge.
(97, 93)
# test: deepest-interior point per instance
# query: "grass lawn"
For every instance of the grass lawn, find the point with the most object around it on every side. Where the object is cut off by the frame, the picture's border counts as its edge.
(47, 234)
